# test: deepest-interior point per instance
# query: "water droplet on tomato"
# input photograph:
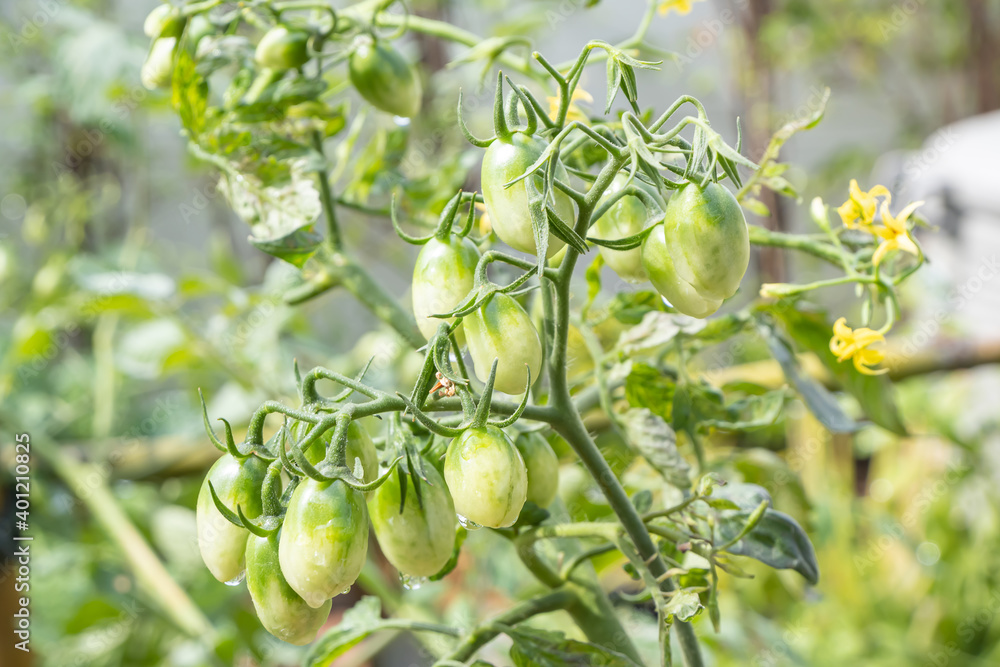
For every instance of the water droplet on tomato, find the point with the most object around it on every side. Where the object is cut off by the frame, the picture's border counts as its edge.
(468, 524)
(238, 579)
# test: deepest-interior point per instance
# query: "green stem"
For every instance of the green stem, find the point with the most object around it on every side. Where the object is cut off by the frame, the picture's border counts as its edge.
(339, 269)
(557, 599)
(766, 237)
(326, 197)
(570, 425)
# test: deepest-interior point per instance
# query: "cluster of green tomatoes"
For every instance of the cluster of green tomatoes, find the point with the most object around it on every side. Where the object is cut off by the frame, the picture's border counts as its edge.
(301, 543)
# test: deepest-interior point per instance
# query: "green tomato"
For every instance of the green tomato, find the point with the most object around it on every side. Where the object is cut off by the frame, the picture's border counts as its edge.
(324, 539)
(486, 477)
(281, 49)
(280, 609)
(158, 70)
(507, 208)
(542, 465)
(626, 217)
(419, 540)
(500, 329)
(164, 21)
(442, 278)
(359, 448)
(222, 544)
(384, 78)
(703, 251)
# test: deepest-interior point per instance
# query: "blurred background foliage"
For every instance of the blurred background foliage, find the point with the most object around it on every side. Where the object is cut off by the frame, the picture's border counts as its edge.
(126, 283)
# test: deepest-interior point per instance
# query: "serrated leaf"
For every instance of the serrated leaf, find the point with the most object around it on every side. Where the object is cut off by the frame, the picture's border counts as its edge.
(357, 623)
(656, 441)
(683, 605)
(777, 540)
(648, 387)
(538, 648)
(750, 413)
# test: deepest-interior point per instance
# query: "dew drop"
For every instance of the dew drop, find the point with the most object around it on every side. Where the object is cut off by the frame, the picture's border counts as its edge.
(401, 121)
(238, 579)
(468, 524)
(346, 591)
(412, 583)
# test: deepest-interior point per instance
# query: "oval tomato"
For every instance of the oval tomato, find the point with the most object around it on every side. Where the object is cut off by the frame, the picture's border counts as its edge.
(163, 21)
(280, 609)
(444, 275)
(384, 78)
(542, 466)
(324, 539)
(222, 544)
(626, 217)
(486, 477)
(158, 70)
(500, 329)
(507, 208)
(281, 49)
(420, 540)
(703, 251)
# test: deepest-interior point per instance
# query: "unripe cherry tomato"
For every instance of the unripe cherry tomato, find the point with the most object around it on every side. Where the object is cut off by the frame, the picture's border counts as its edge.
(280, 609)
(280, 49)
(500, 329)
(626, 217)
(420, 540)
(443, 276)
(158, 70)
(703, 251)
(324, 539)
(222, 544)
(384, 78)
(486, 476)
(164, 21)
(542, 466)
(508, 207)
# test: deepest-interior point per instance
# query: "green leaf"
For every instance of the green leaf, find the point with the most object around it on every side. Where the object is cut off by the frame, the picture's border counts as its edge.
(358, 622)
(811, 332)
(631, 307)
(777, 540)
(683, 605)
(657, 443)
(648, 387)
(819, 400)
(295, 248)
(751, 413)
(538, 648)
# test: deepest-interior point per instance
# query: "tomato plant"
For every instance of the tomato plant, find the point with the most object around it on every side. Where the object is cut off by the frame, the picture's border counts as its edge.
(657, 195)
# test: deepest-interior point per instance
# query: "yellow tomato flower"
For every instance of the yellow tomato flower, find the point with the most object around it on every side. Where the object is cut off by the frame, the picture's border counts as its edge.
(894, 233)
(853, 344)
(574, 112)
(680, 6)
(859, 209)
(485, 226)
